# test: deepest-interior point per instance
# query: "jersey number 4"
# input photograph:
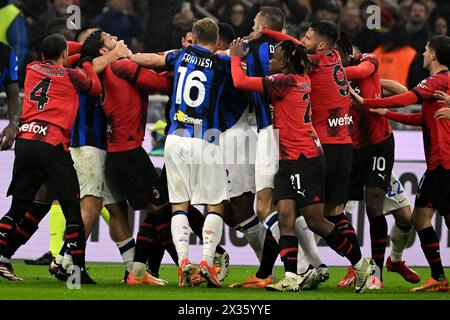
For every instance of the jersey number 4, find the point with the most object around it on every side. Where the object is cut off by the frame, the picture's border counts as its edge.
(194, 82)
(39, 93)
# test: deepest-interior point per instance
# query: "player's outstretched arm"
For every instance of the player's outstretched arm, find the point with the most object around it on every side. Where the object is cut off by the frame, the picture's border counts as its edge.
(240, 79)
(279, 36)
(146, 80)
(412, 119)
(361, 71)
(150, 60)
(14, 111)
(74, 47)
(391, 87)
(87, 81)
(119, 52)
(397, 101)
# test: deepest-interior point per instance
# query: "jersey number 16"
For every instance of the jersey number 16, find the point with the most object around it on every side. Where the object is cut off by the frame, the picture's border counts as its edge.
(195, 80)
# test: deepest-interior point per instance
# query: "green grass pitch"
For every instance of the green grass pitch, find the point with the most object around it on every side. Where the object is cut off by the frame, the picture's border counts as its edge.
(39, 284)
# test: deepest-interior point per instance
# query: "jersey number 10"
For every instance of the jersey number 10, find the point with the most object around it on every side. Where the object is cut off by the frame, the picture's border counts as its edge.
(195, 80)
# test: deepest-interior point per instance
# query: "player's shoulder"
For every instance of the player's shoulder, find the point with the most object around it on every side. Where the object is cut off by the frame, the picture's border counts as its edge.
(437, 80)
(366, 57)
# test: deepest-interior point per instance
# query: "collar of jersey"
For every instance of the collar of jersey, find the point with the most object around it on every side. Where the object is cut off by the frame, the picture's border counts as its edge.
(200, 48)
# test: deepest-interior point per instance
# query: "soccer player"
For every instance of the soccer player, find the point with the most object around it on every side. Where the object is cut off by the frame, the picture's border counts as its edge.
(266, 162)
(434, 189)
(373, 160)
(42, 157)
(129, 171)
(9, 81)
(199, 81)
(88, 151)
(238, 142)
(300, 179)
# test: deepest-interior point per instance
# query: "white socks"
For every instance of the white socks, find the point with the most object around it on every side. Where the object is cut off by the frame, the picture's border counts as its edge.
(307, 242)
(127, 249)
(255, 233)
(399, 239)
(212, 233)
(180, 235)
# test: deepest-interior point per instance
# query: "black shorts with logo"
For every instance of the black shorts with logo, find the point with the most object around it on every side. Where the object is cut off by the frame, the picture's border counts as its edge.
(372, 168)
(38, 163)
(434, 190)
(302, 180)
(338, 165)
(131, 174)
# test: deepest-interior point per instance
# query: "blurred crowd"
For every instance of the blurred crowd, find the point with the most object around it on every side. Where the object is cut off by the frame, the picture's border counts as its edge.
(157, 25)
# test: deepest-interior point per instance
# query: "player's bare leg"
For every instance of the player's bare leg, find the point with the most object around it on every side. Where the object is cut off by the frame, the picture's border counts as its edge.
(421, 221)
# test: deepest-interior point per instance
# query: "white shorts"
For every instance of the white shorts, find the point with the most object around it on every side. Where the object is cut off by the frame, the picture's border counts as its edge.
(266, 162)
(238, 145)
(395, 198)
(195, 171)
(89, 162)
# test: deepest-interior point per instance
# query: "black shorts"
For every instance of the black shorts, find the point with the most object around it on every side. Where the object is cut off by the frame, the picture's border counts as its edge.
(372, 168)
(434, 190)
(338, 165)
(302, 180)
(38, 163)
(131, 174)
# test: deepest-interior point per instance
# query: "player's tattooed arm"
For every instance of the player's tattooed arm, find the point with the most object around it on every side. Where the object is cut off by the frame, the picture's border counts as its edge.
(391, 87)
(150, 60)
(119, 52)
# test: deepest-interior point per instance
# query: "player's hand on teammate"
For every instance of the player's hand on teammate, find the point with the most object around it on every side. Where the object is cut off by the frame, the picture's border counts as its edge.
(442, 114)
(255, 35)
(7, 136)
(237, 48)
(442, 97)
(381, 112)
(122, 50)
(357, 100)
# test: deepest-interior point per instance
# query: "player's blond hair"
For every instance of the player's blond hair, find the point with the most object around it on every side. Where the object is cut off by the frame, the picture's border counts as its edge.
(205, 31)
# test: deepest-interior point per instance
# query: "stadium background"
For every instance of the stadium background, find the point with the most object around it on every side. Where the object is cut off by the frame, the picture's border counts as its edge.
(155, 25)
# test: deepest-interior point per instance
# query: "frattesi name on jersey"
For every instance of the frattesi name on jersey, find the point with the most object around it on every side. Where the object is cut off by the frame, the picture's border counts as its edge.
(342, 121)
(202, 62)
(34, 128)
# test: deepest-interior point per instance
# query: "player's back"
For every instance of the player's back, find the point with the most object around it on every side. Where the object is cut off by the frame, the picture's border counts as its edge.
(258, 60)
(330, 99)
(50, 98)
(436, 133)
(199, 83)
(368, 128)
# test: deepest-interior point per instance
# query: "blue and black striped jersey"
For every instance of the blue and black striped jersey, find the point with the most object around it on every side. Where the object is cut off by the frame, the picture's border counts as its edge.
(8, 66)
(199, 81)
(90, 125)
(258, 59)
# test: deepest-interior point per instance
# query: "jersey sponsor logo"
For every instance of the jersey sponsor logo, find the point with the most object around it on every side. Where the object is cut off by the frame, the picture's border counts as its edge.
(180, 116)
(34, 128)
(341, 121)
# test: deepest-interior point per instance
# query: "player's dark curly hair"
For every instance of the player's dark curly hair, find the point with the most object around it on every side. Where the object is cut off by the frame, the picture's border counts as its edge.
(296, 56)
(344, 43)
(92, 44)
